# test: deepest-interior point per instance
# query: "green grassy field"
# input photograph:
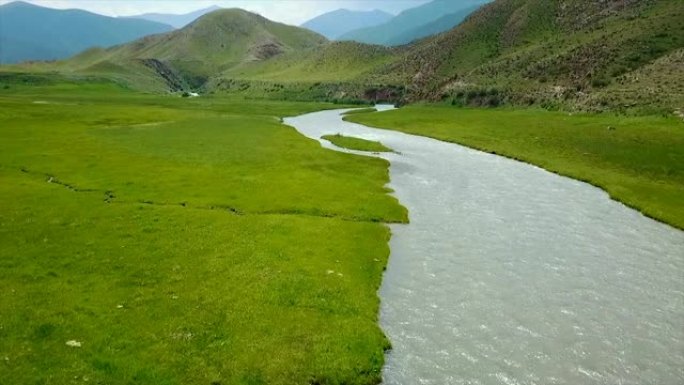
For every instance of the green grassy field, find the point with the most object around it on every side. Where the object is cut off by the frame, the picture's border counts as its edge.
(360, 111)
(637, 160)
(184, 241)
(356, 143)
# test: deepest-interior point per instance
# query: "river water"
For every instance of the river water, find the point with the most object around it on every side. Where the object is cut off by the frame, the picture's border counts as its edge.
(509, 274)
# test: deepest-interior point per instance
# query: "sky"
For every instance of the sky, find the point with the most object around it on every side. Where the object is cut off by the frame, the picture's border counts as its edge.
(293, 12)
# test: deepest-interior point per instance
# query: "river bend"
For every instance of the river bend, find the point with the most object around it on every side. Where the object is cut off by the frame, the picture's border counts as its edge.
(509, 274)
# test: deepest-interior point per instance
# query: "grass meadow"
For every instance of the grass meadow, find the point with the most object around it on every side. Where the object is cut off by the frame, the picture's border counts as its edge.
(158, 240)
(148, 239)
(637, 160)
(356, 143)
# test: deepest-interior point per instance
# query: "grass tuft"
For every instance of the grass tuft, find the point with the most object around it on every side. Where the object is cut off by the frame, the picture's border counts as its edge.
(356, 143)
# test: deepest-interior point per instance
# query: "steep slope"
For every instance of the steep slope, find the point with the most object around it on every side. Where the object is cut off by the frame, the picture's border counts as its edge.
(397, 30)
(656, 86)
(333, 62)
(337, 23)
(29, 32)
(177, 21)
(188, 57)
(335, 72)
(543, 51)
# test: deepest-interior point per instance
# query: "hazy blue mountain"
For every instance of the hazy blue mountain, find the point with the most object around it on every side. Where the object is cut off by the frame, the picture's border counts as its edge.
(336, 23)
(413, 23)
(434, 27)
(30, 32)
(177, 21)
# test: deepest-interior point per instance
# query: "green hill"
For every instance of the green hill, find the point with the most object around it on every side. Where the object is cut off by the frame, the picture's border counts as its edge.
(188, 57)
(336, 61)
(29, 32)
(226, 48)
(584, 53)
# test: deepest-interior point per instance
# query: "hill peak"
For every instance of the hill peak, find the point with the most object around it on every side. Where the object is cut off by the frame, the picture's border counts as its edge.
(215, 42)
(18, 4)
(229, 16)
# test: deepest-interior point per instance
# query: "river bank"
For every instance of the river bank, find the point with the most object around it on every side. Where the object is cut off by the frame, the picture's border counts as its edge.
(639, 161)
(511, 274)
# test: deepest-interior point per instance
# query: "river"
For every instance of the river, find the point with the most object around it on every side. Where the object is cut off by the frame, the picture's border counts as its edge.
(509, 274)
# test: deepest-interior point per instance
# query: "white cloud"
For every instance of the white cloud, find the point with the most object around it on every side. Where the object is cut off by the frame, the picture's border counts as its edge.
(286, 11)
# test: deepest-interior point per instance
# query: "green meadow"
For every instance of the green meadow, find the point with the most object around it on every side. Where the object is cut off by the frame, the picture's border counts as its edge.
(360, 111)
(637, 160)
(356, 143)
(184, 241)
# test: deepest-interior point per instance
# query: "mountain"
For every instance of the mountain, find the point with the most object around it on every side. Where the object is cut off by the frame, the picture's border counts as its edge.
(434, 27)
(30, 32)
(188, 57)
(337, 23)
(585, 53)
(177, 21)
(412, 23)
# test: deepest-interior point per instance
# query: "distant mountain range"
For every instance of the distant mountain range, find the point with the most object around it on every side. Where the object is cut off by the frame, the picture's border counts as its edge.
(416, 23)
(337, 23)
(434, 27)
(29, 32)
(532, 52)
(177, 21)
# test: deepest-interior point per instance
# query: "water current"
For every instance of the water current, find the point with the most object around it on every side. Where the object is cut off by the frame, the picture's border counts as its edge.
(509, 274)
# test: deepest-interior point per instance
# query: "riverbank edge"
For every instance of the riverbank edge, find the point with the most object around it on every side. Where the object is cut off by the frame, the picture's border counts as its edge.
(357, 144)
(352, 119)
(344, 112)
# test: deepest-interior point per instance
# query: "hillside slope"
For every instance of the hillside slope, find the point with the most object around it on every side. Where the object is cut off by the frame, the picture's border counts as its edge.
(188, 57)
(547, 51)
(332, 62)
(613, 54)
(337, 23)
(29, 32)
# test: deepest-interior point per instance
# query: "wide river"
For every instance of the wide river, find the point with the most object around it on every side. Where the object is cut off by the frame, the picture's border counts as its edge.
(509, 274)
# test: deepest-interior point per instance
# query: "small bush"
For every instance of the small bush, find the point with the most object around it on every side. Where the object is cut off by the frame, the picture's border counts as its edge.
(493, 101)
(600, 82)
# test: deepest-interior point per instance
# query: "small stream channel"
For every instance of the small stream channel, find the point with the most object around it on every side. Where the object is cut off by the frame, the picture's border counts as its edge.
(509, 274)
